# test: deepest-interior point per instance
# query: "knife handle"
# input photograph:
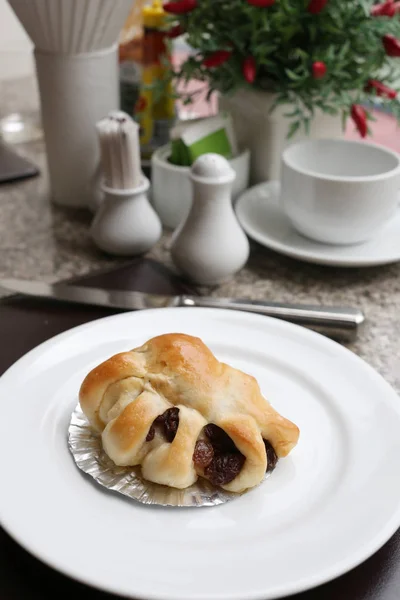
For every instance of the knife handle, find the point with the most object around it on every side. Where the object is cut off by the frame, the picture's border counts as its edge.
(339, 323)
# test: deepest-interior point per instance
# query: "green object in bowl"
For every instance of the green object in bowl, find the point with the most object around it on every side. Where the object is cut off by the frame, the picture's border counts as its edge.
(179, 154)
(193, 138)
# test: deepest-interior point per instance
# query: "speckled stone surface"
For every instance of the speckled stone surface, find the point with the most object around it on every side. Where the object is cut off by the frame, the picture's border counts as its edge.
(41, 241)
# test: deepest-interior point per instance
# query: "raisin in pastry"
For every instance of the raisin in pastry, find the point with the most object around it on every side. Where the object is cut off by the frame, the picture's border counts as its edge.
(173, 408)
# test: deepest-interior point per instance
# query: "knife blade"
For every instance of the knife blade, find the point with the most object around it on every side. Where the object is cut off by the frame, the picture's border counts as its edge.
(343, 323)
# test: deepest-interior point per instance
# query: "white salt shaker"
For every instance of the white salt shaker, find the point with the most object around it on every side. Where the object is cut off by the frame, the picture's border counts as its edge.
(210, 246)
(125, 224)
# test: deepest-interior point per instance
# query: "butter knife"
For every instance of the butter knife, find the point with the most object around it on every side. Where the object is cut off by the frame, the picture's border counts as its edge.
(337, 322)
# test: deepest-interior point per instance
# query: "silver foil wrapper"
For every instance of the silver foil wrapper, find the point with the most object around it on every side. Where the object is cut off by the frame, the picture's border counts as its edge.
(87, 450)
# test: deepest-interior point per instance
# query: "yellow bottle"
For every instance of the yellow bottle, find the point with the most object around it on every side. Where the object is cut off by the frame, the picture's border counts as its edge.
(156, 115)
(130, 57)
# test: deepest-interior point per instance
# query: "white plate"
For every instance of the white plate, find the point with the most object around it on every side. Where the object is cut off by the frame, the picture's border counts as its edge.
(261, 216)
(326, 508)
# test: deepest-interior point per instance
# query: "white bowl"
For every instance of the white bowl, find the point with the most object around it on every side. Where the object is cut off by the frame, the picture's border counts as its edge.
(172, 190)
(339, 191)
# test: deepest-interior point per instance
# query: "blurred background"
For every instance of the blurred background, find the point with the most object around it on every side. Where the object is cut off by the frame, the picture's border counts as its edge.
(17, 123)
(15, 46)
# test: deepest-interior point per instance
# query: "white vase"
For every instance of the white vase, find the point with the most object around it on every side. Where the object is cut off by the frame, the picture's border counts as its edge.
(265, 132)
(76, 91)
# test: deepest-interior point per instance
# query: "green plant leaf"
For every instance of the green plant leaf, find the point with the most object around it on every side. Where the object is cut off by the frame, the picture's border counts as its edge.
(294, 127)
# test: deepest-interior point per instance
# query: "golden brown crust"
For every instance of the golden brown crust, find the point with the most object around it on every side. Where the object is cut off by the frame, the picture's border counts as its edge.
(124, 395)
(95, 384)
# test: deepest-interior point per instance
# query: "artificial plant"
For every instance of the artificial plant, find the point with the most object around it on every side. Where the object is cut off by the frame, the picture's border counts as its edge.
(332, 55)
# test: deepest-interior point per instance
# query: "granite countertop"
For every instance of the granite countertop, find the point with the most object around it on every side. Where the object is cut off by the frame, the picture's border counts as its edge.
(41, 241)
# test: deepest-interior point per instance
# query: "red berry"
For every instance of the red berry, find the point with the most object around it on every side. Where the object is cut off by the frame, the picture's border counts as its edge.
(319, 70)
(381, 89)
(249, 69)
(175, 32)
(387, 9)
(217, 58)
(315, 6)
(391, 45)
(180, 7)
(359, 116)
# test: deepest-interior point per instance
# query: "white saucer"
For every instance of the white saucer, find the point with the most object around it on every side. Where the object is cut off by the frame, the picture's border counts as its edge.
(261, 216)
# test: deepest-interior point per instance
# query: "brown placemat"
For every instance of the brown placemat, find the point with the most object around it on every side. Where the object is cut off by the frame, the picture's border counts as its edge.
(25, 323)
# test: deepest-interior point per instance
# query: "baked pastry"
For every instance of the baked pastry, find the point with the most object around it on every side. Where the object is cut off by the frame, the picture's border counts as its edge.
(173, 408)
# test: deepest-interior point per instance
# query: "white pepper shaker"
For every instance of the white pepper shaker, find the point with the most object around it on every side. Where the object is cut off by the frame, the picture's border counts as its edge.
(210, 246)
(125, 224)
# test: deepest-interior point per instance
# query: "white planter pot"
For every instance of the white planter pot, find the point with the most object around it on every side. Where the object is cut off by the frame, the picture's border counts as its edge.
(265, 133)
(171, 188)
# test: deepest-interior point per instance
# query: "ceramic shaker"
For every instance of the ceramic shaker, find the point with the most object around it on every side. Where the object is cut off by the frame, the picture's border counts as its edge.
(210, 246)
(125, 224)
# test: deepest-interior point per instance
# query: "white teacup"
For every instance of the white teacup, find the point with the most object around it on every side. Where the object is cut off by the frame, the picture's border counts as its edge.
(339, 191)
